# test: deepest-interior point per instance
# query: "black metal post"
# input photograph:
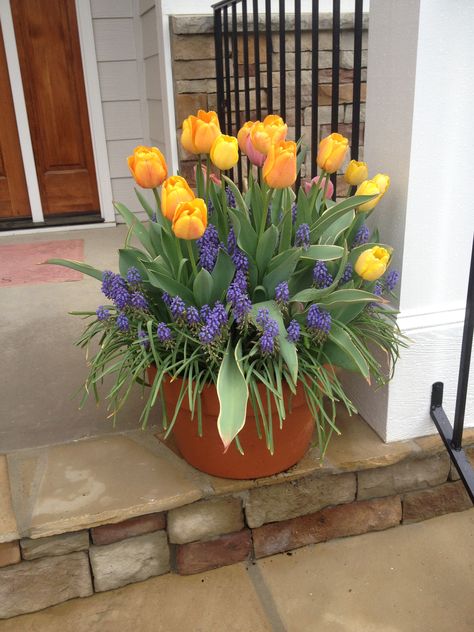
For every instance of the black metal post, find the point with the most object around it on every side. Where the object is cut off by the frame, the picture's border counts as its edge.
(282, 26)
(246, 59)
(298, 78)
(465, 361)
(228, 103)
(314, 83)
(336, 31)
(219, 65)
(358, 14)
(268, 34)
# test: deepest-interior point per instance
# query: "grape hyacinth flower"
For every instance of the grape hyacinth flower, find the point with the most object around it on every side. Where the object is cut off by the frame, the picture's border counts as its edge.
(241, 307)
(392, 279)
(215, 323)
(166, 299)
(321, 276)
(120, 293)
(269, 331)
(282, 293)
(102, 313)
(138, 301)
(347, 274)
(378, 289)
(143, 338)
(205, 312)
(319, 322)
(293, 331)
(192, 316)
(302, 236)
(294, 211)
(122, 322)
(107, 279)
(237, 287)
(163, 333)
(230, 197)
(177, 307)
(154, 218)
(133, 275)
(231, 241)
(208, 246)
(361, 236)
(240, 260)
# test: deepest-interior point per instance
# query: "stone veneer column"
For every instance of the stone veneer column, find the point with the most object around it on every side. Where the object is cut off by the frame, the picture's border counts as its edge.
(419, 130)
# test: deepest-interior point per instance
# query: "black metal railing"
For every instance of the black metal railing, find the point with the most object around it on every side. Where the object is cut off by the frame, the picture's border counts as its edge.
(233, 18)
(452, 435)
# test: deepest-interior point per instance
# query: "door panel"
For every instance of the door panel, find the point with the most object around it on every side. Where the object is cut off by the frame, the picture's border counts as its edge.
(14, 201)
(51, 68)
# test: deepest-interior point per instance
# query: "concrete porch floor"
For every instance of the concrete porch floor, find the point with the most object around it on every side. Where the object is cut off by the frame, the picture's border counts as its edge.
(414, 578)
(41, 369)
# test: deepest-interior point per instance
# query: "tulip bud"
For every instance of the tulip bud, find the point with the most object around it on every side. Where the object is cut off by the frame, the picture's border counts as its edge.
(148, 166)
(199, 132)
(225, 152)
(372, 263)
(368, 187)
(307, 186)
(175, 191)
(243, 134)
(356, 173)
(190, 219)
(279, 169)
(272, 130)
(332, 151)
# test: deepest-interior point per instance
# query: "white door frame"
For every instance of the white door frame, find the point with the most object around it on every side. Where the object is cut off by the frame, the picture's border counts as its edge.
(94, 107)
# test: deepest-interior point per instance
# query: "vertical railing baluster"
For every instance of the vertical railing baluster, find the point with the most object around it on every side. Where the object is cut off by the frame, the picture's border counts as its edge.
(235, 57)
(268, 29)
(314, 84)
(228, 103)
(245, 36)
(219, 66)
(282, 26)
(358, 15)
(336, 29)
(256, 44)
(298, 77)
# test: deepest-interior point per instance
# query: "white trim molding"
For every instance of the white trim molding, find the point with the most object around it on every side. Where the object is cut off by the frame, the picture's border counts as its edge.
(21, 114)
(94, 104)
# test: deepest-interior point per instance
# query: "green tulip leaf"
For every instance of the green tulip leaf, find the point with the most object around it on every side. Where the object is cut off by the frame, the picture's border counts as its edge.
(202, 287)
(323, 253)
(232, 391)
(266, 247)
(343, 341)
(222, 275)
(85, 268)
(136, 227)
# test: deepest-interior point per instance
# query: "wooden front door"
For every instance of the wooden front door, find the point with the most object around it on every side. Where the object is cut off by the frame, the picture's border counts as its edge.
(14, 202)
(51, 68)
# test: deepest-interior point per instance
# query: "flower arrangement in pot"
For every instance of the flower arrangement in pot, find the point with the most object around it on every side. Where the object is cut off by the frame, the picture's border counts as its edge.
(238, 306)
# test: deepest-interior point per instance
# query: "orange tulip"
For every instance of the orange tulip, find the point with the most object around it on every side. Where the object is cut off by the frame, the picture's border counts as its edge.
(332, 151)
(190, 219)
(175, 191)
(243, 134)
(225, 152)
(272, 130)
(279, 169)
(199, 132)
(148, 166)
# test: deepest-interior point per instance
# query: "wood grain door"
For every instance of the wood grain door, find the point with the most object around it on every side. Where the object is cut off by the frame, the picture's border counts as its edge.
(14, 202)
(51, 68)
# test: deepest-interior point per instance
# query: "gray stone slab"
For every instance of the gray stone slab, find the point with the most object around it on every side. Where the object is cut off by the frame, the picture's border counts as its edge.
(128, 561)
(31, 586)
(205, 519)
(54, 545)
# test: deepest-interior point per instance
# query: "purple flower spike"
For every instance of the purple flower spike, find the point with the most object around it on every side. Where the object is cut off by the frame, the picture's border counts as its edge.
(391, 280)
(231, 241)
(267, 343)
(293, 331)
(166, 299)
(122, 322)
(120, 293)
(143, 338)
(102, 313)
(361, 236)
(230, 197)
(177, 307)
(270, 330)
(302, 236)
(241, 307)
(378, 289)
(240, 260)
(294, 211)
(138, 301)
(321, 276)
(208, 246)
(133, 275)
(107, 278)
(163, 333)
(282, 293)
(347, 274)
(192, 316)
(318, 320)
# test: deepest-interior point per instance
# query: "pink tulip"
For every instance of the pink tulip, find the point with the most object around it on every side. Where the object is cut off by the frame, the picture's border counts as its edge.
(255, 157)
(307, 186)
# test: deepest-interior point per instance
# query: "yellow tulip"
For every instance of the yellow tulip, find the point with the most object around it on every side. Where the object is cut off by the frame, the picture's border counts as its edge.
(190, 219)
(372, 263)
(332, 151)
(356, 173)
(279, 169)
(175, 191)
(243, 134)
(199, 132)
(148, 166)
(382, 180)
(368, 187)
(225, 152)
(272, 130)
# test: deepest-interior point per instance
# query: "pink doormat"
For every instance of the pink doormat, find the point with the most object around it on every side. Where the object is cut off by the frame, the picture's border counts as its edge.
(20, 263)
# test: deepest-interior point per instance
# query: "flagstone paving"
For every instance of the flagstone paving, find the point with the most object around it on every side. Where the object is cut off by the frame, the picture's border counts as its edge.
(415, 578)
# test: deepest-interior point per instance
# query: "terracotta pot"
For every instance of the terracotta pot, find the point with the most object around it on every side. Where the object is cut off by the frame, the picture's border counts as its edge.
(206, 453)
